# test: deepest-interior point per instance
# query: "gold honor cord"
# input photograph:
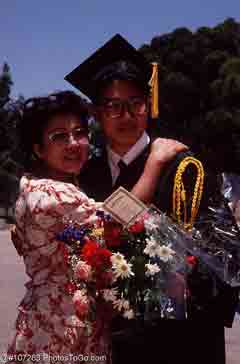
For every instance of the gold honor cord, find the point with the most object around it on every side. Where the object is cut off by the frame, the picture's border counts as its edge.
(179, 193)
(153, 83)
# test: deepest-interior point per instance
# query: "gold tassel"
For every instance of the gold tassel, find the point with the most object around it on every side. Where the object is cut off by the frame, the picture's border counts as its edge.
(153, 83)
(179, 193)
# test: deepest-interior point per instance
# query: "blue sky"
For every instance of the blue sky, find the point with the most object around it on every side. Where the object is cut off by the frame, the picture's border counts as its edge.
(42, 41)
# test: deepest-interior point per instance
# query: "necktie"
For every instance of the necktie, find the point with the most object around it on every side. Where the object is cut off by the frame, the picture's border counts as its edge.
(122, 175)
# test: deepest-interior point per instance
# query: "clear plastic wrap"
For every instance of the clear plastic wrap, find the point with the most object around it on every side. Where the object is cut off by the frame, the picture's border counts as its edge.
(214, 241)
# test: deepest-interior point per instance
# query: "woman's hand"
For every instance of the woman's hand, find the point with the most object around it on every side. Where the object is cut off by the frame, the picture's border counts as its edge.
(17, 242)
(164, 150)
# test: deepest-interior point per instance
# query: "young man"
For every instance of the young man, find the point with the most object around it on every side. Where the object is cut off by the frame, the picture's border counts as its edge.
(116, 79)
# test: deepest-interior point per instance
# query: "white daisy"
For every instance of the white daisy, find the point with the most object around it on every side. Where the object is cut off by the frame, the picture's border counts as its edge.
(165, 253)
(151, 247)
(121, 304)
(117, 259)
(123, 270)
(129, 314)
(152, 269)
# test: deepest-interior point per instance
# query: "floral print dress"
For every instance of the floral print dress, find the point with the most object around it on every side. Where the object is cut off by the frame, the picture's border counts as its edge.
(47, 327)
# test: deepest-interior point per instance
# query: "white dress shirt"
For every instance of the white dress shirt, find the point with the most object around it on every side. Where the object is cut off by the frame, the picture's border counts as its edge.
(133, 153)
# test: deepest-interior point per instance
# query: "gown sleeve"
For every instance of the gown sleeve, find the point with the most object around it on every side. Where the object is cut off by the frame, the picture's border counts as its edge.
(40, 209)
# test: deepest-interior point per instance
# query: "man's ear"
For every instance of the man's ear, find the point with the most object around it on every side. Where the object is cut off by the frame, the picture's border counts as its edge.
(37, 150)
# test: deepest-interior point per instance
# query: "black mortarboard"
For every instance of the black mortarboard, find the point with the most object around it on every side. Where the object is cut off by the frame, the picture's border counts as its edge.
(116, 59)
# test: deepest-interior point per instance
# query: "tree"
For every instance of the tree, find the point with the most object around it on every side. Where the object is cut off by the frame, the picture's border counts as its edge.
(5, 88)
(9, 169)
(199, 90)
(5, 85)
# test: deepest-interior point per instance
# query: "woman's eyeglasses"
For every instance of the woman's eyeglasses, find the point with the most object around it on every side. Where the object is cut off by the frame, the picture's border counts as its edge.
(114, 108)
(63, 138)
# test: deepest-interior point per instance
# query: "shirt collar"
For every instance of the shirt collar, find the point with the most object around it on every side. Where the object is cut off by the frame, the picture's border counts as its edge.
(132, 154)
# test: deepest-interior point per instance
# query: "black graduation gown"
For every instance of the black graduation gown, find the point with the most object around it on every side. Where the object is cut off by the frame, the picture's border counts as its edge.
(96, 180)
(200, 338)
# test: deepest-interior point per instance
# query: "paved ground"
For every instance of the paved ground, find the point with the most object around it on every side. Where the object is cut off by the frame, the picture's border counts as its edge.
(233, 342)
(12, 279)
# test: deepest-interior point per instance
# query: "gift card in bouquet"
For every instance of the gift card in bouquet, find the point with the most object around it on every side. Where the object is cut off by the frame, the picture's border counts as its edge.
(124, 206)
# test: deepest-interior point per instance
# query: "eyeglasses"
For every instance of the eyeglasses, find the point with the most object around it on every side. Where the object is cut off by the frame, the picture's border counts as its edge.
(114, 108)
(63, 138)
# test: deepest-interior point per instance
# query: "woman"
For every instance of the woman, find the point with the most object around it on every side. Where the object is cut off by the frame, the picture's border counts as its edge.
(54, 137)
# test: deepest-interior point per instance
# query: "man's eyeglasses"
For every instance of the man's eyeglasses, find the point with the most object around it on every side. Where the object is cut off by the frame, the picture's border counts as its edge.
(62, 138)
(114, 108)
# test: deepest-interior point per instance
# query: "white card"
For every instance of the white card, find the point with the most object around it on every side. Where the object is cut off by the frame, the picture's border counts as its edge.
(123, 206)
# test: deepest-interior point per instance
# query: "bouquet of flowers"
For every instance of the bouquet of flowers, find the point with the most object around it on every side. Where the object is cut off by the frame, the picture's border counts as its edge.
(138, 268)
(130, 272)
(140, 271)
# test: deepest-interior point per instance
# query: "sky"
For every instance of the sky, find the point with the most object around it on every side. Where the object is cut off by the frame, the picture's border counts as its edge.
(44, 40)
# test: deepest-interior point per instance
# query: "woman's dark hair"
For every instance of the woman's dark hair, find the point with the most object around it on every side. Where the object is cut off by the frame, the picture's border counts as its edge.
(37, 112)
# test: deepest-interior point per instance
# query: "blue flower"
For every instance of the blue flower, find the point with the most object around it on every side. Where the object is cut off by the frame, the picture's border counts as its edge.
(103, 215)
(78, 234)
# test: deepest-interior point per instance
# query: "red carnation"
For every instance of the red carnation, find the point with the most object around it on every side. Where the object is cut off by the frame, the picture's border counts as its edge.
(191, 259)
(89, 250)
(104, 256)
(112, 234)
(101, 260)
(97, 257)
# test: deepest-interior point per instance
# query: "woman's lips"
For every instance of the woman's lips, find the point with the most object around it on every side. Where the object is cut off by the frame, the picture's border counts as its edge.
(73, 159)
(73, 156)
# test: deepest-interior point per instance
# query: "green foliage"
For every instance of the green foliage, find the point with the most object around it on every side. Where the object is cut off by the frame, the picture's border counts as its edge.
(5, 88)
(5, 85)
(9, 112)
(199, 91)
(9, 153)
(231, 66)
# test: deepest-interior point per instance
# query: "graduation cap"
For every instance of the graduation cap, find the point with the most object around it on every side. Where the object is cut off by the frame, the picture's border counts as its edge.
(116, 59)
